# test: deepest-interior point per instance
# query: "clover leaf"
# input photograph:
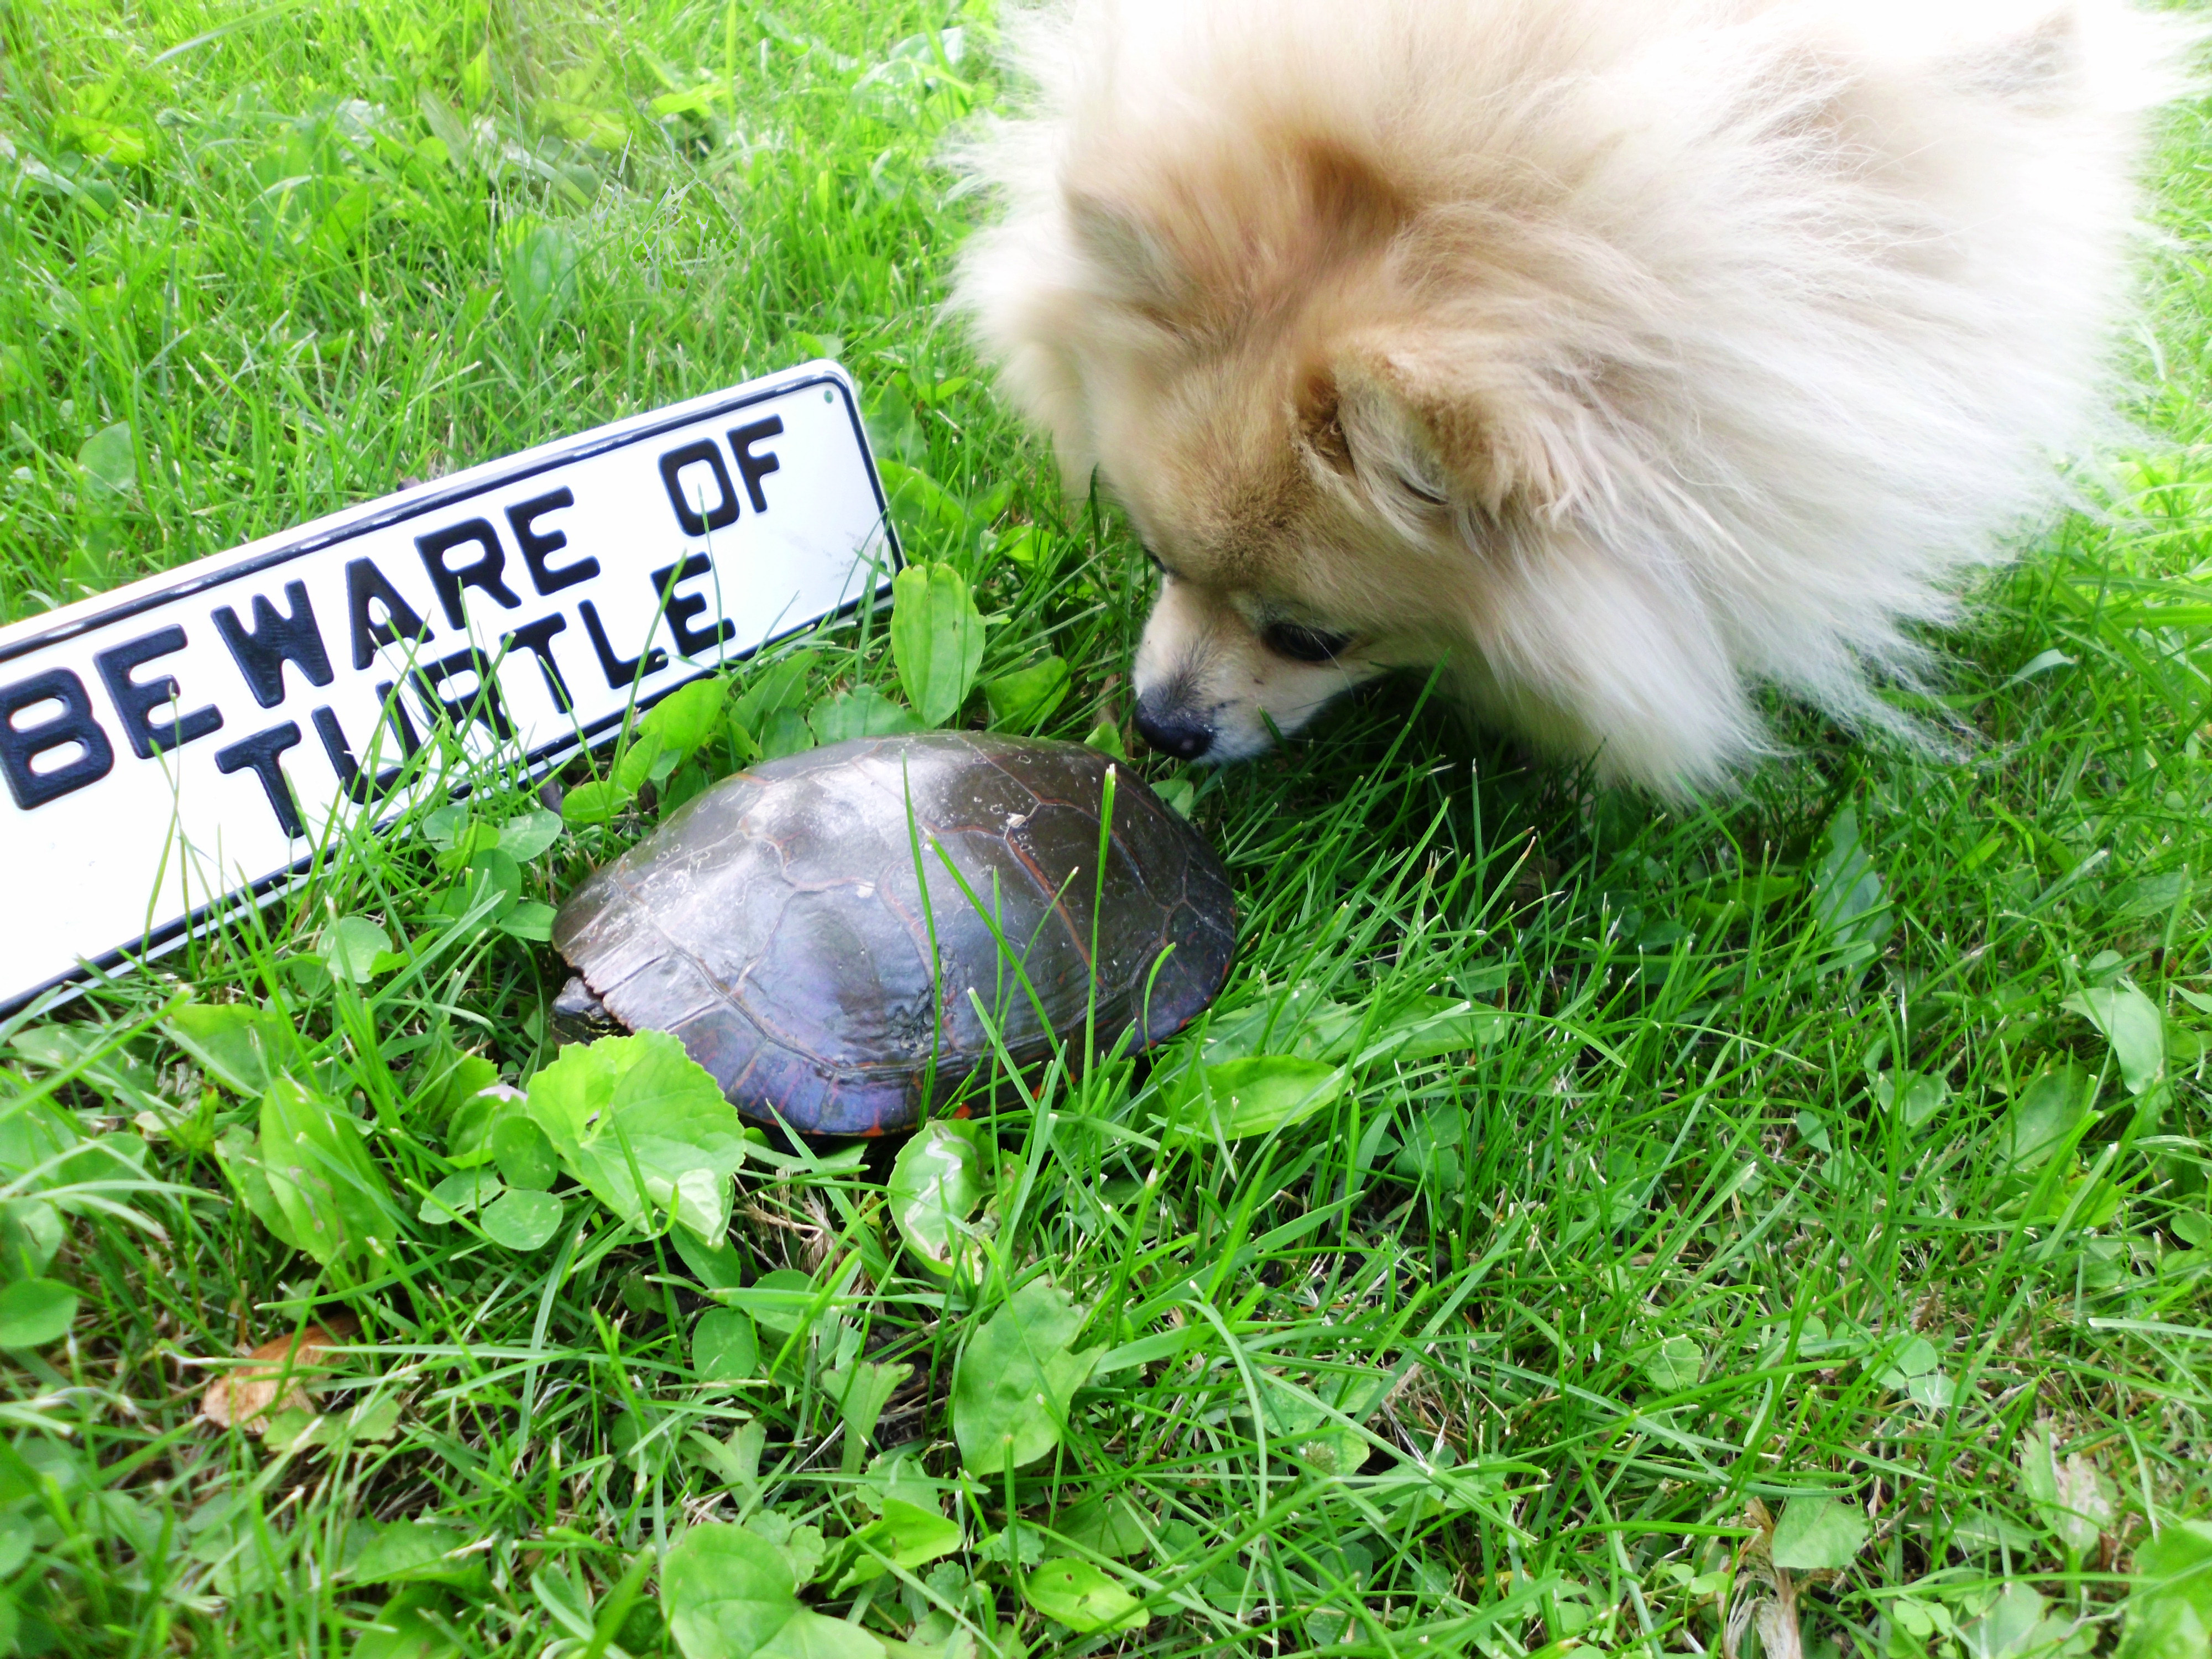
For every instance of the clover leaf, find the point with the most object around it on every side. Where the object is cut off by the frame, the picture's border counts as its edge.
(1817, 1534)
(333, 1197)
(645, 1127)
(1015, 1380)
(730, 1594)
(936, 1182)
(1082, 1598)
(936, 639)
(1237, 1097)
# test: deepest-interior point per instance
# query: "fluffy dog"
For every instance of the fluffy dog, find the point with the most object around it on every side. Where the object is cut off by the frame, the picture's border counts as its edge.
(1621, 355)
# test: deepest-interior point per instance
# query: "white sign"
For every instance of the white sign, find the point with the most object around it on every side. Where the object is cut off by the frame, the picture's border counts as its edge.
(197, 736)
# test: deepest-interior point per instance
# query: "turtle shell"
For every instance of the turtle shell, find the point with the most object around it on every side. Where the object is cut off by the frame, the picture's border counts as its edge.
(783, 924)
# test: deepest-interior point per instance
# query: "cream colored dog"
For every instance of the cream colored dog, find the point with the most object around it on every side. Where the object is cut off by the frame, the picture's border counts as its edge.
(1622, 355)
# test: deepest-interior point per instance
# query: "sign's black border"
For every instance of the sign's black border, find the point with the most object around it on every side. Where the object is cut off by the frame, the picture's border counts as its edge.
(539, 761)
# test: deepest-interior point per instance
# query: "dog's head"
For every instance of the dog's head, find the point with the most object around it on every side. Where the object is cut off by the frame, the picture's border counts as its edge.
(1312, 521)
(1280, 586)
(1266, 351)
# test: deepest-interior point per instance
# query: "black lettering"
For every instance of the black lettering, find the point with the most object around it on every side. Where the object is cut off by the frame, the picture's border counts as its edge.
(396, 716)
(725, 511)
(365, 582)
(690, 640)
(274, 638)
(752, 467)
(538, 638)
(480, 703)
(483, 573)
(259, 752)
(360, 788)
(622, 674)
(135, 701)
(538, 544)
(74, 728)
(360, 791)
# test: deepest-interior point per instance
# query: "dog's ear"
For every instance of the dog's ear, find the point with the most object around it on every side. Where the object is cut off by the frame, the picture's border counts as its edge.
(1458, 422)
(1136, 269)
(1358, 425)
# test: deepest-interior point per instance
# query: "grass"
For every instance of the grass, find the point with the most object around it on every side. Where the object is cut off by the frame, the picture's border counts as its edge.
(1796, 1163)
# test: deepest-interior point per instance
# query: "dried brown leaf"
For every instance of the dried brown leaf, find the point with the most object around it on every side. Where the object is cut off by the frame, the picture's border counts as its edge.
(1775, 1615)
(275, 1377)
(1777, 1618)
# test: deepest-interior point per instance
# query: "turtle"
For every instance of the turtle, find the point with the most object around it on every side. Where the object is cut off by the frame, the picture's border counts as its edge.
(783, 924)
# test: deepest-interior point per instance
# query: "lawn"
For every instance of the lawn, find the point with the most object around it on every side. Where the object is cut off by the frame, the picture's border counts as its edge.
(1800, 1243)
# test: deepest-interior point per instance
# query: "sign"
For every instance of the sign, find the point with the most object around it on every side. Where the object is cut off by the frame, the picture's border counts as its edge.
(197, 736)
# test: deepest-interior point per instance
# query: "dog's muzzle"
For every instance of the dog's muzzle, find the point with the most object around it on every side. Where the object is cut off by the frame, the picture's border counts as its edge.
(1172, 728)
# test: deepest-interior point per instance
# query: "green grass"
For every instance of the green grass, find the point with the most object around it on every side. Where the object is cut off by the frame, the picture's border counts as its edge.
(1747, 1194)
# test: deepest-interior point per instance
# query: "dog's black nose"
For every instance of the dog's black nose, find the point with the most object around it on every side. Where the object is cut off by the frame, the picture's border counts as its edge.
(1175, 732)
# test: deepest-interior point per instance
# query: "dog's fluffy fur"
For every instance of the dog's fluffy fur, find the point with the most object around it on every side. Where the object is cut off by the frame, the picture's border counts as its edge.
(1621, 355)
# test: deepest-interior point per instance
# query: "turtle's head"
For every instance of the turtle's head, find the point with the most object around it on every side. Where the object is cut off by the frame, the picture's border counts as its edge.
(580, 1016)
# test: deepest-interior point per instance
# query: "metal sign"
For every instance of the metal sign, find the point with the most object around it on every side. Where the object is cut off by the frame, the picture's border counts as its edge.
(195, 738)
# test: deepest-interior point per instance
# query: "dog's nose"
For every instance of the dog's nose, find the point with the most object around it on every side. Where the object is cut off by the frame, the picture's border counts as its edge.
(1175, 732)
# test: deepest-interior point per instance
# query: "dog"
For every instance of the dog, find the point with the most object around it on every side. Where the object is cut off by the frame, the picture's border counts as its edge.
(1621, 358)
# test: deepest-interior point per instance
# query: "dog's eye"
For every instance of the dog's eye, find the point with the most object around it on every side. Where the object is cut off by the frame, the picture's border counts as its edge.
(1304, 644)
